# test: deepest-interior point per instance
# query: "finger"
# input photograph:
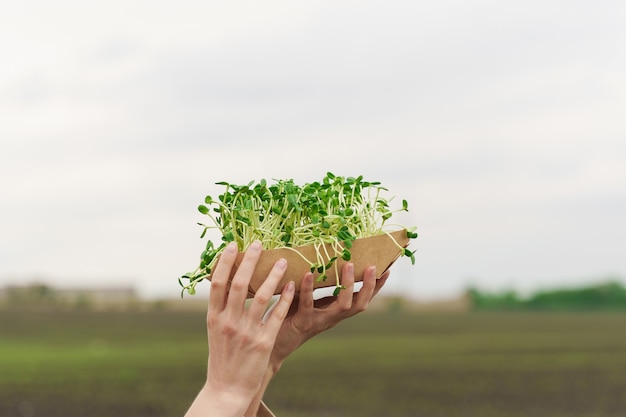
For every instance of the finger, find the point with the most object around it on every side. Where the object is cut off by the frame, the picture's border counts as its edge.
(294, 305)
(264, 294)
(278, 314)
(219, 279)
(305, 302)
(304, 316)
(363, 297)
(344, 299)
(239, 285)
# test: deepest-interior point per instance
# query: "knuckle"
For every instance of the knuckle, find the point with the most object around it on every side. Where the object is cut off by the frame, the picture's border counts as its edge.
(246, 339)
(262, 299)
(308, 303)
(360, 308)
(280, 312)
(265, 345)
(212, 321)
(228, 329)
(345, 307)
(217, 284)
(237, 285)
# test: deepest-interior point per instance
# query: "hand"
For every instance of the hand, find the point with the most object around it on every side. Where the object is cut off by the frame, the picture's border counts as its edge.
(240, 341)
(311, 317)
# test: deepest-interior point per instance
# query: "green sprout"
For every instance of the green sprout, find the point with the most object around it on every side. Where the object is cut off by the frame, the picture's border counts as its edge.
(334, 212)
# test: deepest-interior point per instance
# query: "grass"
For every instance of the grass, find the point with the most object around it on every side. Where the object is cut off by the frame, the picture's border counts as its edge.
(100, 364)
(464, 365)
(376, 364)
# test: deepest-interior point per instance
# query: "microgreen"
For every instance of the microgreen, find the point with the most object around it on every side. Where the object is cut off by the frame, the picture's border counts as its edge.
(331, 213)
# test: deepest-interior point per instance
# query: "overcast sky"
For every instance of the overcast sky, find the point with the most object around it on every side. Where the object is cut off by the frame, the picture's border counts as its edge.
(502, 123)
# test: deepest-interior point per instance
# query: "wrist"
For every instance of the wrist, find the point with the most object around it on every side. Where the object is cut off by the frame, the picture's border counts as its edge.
(275, 363)
(257, 401)
(226, 401)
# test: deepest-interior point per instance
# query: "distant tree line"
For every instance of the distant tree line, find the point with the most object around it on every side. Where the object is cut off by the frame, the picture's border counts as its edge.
(610, 296)
(44, 297)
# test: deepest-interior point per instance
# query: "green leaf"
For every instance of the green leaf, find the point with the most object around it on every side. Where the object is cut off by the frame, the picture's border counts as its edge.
(338, 289)
(410, 254)
(330, 262)
(334, 211)
(292, 199)
(322, 277)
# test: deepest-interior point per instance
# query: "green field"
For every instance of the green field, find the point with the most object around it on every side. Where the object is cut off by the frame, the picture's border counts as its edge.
(378, 364)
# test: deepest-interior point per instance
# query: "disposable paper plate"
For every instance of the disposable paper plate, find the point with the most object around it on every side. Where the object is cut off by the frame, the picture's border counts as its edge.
(379, 250)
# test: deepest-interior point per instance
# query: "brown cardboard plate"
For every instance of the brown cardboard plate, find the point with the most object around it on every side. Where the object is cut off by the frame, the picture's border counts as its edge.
(379, 250)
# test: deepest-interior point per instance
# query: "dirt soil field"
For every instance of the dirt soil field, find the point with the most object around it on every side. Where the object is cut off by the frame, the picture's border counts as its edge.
(379, 364)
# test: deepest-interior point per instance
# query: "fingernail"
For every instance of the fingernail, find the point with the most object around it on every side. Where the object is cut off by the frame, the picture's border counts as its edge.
(281, 263)
(291, 286)
(350, 267)
(255, 246)
(231, 247)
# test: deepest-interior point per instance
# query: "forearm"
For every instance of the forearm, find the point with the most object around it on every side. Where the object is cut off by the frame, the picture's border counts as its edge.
(214, 404)
(255, 405)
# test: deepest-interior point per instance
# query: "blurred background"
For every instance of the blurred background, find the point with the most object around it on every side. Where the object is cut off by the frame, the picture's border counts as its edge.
(502, 124)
